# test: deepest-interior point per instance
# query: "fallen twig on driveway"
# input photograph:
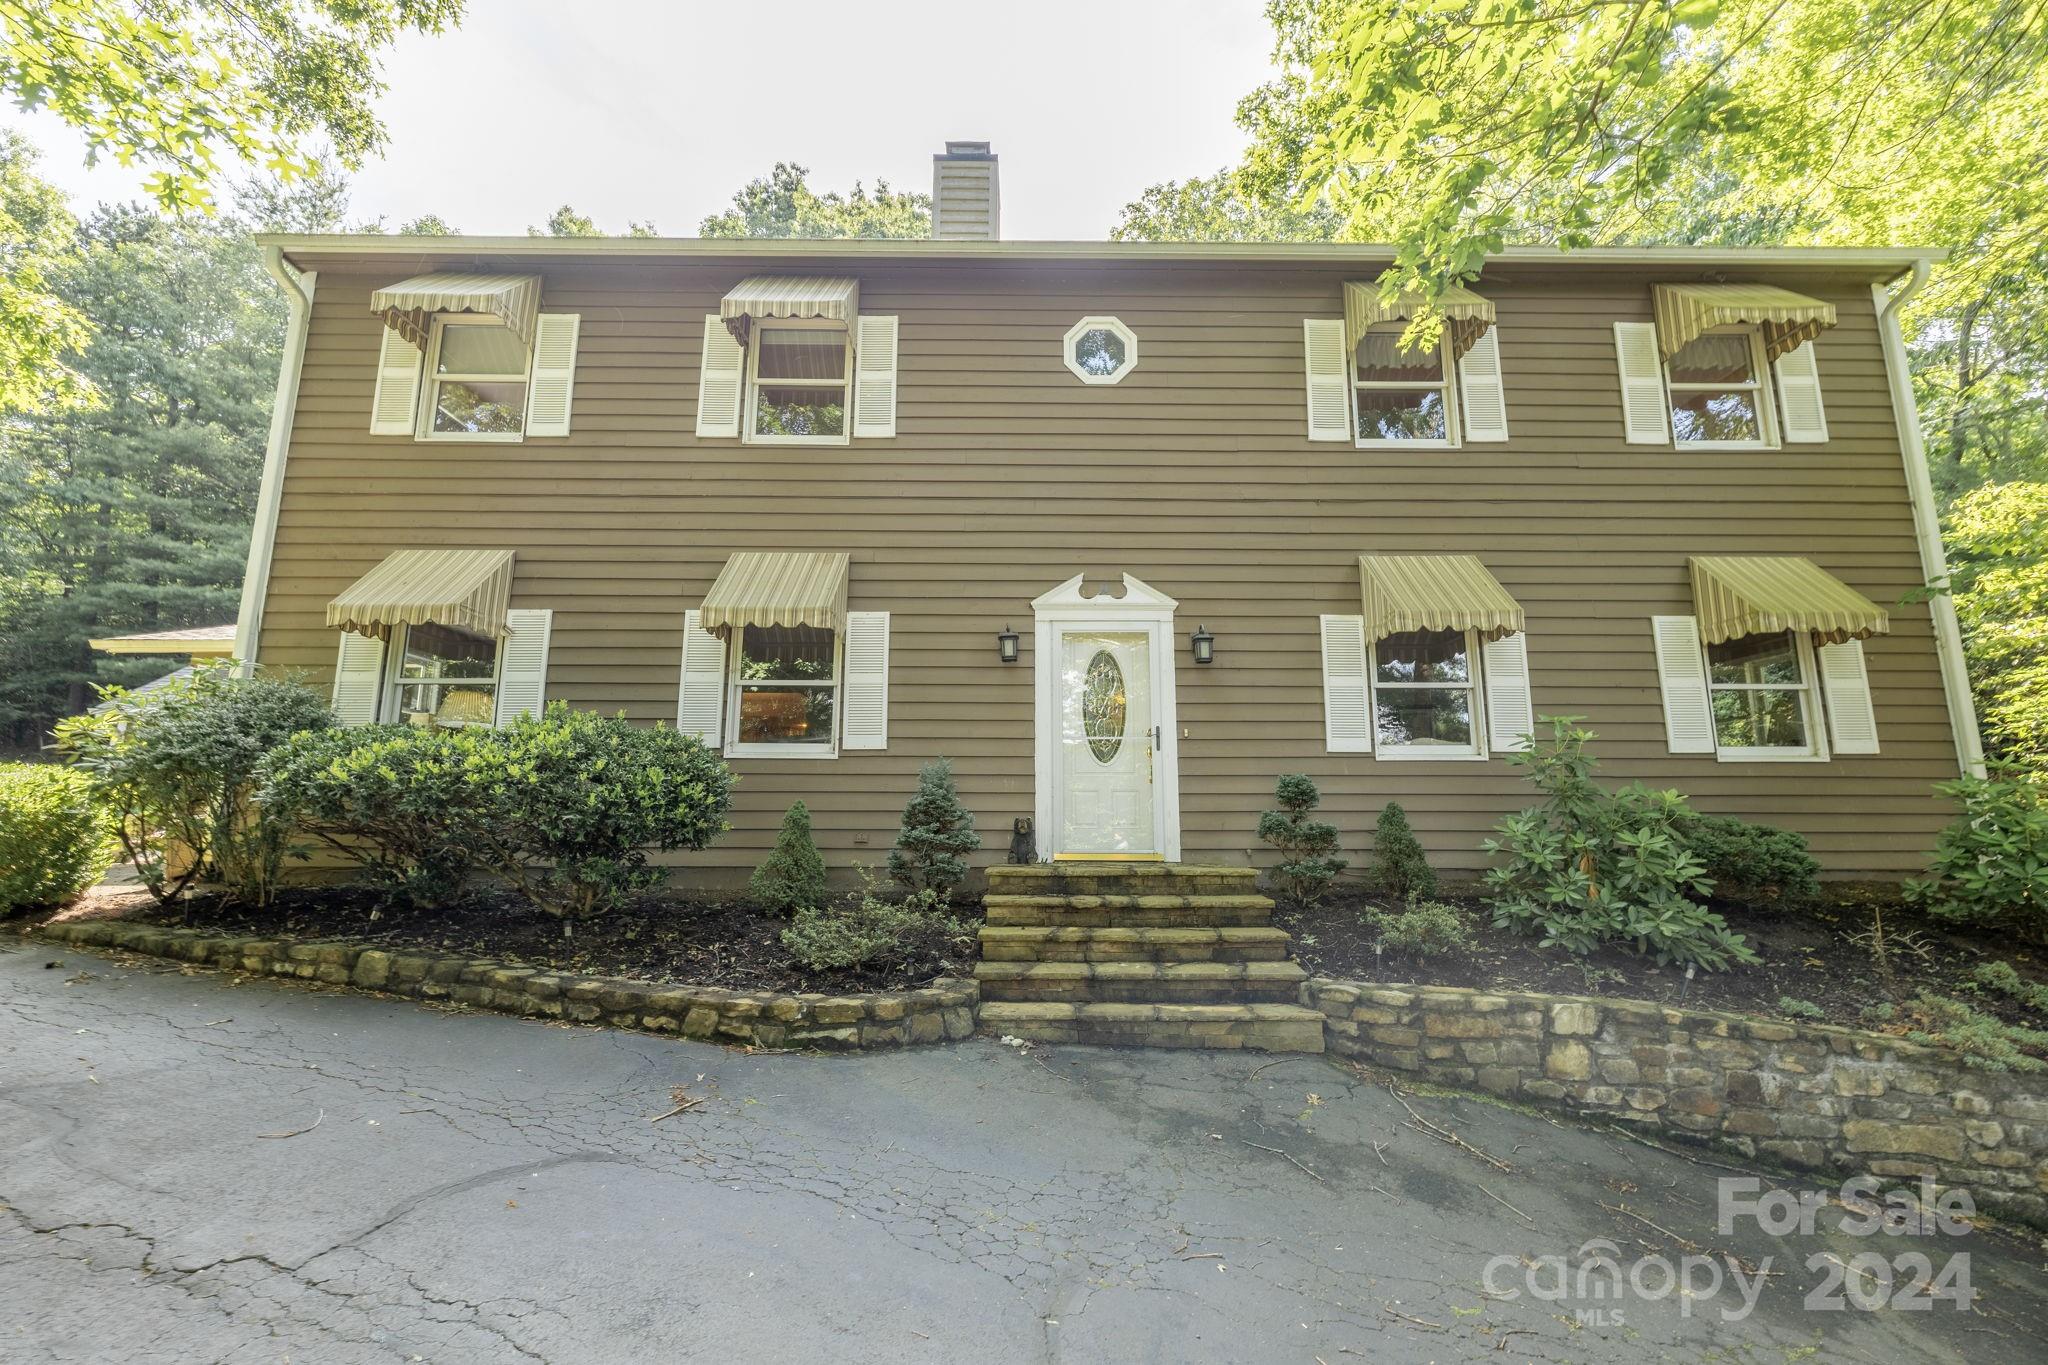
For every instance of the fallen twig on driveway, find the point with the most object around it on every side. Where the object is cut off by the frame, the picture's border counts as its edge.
(684, 1104)
(1506, 1205)
(296, 1131)
(1444, 1135)
(1419, 1322)
(1277, 1152)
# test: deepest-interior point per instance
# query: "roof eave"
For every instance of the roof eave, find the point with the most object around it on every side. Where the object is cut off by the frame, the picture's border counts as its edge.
(1880, 262)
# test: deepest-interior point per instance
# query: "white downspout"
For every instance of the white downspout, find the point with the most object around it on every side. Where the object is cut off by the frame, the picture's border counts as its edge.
(1948, 633)
(298, 295)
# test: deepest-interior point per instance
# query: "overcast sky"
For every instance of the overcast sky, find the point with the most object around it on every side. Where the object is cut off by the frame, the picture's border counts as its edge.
(648, 110)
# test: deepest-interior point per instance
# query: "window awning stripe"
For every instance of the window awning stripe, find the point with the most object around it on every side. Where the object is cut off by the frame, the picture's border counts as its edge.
(408, 307)
(834, 298)
(1434, 592)
(467, 589)
(1738, 595)
(1466, 315)
(1787, 320)
(777, 588)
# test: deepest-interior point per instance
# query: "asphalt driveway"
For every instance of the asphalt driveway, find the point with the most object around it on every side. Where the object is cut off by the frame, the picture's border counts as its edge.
(195, 1168)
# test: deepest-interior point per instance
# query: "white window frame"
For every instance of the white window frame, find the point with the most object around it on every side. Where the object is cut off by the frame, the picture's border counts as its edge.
(1760, 386)
(394, 666)
(1448, 387)
(1473, 683)
(753, 403)
(1112, 325)
(1811, 706)
(430, 384)
(733, 748)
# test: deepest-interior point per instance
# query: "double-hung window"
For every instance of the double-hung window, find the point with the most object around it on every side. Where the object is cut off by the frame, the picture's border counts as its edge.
(476, 381)
(1402, 397)
(801, 385)
(1719, 396)
(442, 676)
(1761, 689)
(784, 692)
(1426, 695)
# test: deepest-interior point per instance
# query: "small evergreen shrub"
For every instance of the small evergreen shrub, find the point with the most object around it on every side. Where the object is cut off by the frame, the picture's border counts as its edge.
(792, 877)
(1589, 866)
(1984, 1041)
(865, 930)
(1752, 864)
(1800, 1009)
(177, 766)
(1424, 929)
(937, 834)
(55, 838)
(1398, 866)
(1308, 848)
(1990, 867)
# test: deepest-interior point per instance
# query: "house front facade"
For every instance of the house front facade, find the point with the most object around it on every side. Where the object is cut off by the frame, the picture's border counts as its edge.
(1125, 530)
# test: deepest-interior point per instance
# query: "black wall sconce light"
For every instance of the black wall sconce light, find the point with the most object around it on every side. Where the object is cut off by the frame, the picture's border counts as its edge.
(1006, 645)
(1203, 644)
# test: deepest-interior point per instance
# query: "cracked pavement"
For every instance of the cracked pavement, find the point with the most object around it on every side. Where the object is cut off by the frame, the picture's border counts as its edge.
(469, 1187)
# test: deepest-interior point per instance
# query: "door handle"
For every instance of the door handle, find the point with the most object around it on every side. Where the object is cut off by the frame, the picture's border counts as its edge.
(1155, 739)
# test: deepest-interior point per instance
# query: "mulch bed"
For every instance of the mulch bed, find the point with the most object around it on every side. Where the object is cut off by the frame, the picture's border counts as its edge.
(1807, 955)
(706, 943)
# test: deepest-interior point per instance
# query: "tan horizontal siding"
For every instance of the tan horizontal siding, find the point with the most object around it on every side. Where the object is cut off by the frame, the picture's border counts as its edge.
(1194, 474)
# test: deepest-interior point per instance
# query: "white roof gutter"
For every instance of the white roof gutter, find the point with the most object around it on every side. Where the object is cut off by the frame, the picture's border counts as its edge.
(1948, 632)
(298, 295)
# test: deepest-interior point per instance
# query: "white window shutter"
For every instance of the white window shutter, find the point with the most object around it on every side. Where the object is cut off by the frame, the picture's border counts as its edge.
(1852, 720)
(874, 377)
(1645, 411)
(1329, 380)
(394, 410)
(864, 718)
(721, 380)
(700, 703)
(523, 663)
(1480, 387)
(1347, 700)
(554, 374)
(1510, 706)
(1806, 421)
(1682, 677)
(358, 679)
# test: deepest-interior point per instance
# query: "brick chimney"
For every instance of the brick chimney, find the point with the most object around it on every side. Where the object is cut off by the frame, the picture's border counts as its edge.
(965, 201)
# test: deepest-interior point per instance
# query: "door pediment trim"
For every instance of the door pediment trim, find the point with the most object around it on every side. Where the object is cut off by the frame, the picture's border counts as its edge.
(1138, 599)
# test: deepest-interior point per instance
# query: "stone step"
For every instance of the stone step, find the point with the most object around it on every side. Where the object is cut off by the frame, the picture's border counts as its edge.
(1127, 912)
(1125, 879)
(1199, 983)
(1025, 943)
(1267, 1028)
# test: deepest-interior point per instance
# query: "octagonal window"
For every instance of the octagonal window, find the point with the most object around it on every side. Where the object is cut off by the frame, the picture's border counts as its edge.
(1101, 350)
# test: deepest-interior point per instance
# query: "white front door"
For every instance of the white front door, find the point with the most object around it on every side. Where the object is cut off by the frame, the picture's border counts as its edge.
(1105, 755)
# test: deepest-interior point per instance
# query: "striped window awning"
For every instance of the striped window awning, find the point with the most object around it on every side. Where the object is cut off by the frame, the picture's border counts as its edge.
(1434, 592)
(1787, 320)
(833, 298)
(1738, 595)
(466, 589)
(408, 307)
(777, 588)
(1466, 315)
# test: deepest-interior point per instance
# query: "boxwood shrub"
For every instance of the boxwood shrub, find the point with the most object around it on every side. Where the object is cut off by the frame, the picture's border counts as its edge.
(55, 839)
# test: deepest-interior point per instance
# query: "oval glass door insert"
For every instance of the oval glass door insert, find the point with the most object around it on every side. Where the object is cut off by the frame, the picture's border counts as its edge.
(1103, 706)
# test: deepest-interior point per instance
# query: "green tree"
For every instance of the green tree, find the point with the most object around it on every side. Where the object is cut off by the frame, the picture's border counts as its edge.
(38, 327)
(1221, 208)
(428, 225)
(792, 877)
(133, 513)
(179, 85)
(782, 204)
(1308, 847)
(1998, 539)
(567, 222)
